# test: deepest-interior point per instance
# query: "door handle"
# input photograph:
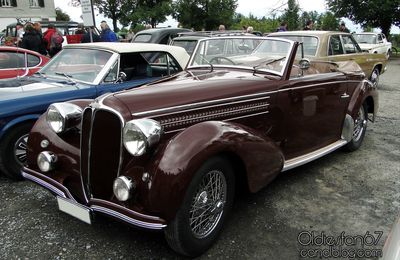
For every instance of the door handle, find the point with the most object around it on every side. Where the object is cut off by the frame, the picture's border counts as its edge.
(345, 95)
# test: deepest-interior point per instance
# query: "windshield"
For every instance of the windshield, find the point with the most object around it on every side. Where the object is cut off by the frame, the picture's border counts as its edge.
(365, 38)
(78, 64)
(255, 53)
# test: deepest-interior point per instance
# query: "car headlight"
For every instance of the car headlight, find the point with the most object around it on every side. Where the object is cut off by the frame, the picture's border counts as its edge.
(46, 161)
(123, 187)
(140, 134)
(63, 116)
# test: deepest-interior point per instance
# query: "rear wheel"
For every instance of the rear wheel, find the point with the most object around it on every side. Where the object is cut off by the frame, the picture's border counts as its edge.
(360, 127)
(208, 200)
(13, 151)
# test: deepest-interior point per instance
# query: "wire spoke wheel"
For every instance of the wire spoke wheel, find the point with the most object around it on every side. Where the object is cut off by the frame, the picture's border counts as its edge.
(359, 124)
(208, 204)
(20, 149)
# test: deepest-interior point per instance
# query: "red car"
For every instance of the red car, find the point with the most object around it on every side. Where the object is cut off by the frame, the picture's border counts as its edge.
(18, 62)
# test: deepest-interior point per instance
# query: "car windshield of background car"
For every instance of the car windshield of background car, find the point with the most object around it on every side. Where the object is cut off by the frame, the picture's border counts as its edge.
(248, 53)
(79, 64)
(365, 38)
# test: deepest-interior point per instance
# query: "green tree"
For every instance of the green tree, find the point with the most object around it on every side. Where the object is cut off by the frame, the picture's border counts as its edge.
(207, 14)
(291, 15)
(61, 16)
(151, 11)
(376, 13)
(328, 22)
(116, 10)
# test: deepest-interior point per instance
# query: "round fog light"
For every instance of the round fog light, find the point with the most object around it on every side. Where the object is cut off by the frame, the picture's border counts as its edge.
(46, 161)
(123, 187)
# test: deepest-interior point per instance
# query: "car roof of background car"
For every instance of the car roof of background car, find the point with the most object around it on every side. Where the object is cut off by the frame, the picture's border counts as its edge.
(307, 33)
(197, 35)
(159, 32)
(372, 33)
(16, 49)
(126, 47)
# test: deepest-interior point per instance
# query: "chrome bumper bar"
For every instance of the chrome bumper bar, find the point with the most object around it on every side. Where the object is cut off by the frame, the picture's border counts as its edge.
(96, 205)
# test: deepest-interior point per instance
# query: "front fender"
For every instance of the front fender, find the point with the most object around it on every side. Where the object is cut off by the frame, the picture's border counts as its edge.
(18, 120)
(179, 160)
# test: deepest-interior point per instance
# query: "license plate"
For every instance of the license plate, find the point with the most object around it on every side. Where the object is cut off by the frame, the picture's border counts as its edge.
(76, 210)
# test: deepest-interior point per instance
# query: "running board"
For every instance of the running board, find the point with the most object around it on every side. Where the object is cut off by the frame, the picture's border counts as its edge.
(295, 162)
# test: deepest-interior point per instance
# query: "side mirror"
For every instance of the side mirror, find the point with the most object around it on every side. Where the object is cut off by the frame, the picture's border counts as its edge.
(304, 64)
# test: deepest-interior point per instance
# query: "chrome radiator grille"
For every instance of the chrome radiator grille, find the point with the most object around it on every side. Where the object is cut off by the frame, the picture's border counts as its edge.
(100, 151)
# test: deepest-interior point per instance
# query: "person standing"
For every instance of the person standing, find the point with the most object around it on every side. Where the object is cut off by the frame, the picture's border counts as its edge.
(106, 34)
(283, 27)
(38, 29)
(31, 40)
(343, 28)
(86, 37)
(53, 40)
(309, 25)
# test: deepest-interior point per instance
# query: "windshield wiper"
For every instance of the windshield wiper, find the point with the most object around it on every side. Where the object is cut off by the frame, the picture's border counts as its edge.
(41, 74)
(269, 61)
(69, 77)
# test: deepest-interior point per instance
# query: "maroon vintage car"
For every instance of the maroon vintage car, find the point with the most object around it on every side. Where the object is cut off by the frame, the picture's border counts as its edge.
(170, 155)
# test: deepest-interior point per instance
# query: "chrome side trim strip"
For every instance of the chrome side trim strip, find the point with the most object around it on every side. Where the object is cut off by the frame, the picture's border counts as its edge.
(44, 184)
(127, 219)
(303, 159)
(167, 110)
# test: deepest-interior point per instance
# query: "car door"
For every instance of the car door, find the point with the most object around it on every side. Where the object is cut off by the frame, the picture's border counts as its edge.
(344, 47)
(314, 107)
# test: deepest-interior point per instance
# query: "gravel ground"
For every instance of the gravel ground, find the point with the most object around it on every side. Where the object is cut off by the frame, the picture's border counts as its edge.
(354, 193)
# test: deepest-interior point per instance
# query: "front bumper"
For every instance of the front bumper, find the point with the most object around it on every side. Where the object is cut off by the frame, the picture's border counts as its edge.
(96, 205)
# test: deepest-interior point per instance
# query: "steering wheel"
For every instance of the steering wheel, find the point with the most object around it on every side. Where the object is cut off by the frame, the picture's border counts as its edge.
(221, 58)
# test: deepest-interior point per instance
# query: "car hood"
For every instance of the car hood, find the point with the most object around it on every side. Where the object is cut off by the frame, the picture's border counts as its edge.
(18, 88)
(193, 87)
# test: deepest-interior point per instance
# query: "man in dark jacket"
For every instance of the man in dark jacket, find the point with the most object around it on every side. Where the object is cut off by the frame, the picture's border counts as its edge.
(32, 40)
(86, 37)
(106, 34)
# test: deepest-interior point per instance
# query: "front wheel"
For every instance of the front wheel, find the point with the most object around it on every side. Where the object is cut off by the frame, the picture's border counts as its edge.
(360, 127)
(13, 151)
(207, 202)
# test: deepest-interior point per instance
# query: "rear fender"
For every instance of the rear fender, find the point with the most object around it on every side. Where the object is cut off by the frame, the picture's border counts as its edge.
(179, 160)
(364, 93)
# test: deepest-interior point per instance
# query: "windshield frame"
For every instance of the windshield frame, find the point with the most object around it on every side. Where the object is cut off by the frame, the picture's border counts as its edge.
(97, 80)
(248, 68)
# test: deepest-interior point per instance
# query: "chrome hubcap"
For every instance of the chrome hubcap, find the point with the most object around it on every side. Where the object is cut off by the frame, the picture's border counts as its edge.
(359, 124)
(375, 78)
(20, 149)
(208, 204)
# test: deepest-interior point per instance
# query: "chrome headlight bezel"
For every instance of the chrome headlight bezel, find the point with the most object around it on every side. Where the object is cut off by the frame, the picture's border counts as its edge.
(141, 134)
(46, 161)
(123, 188)
(63, 116)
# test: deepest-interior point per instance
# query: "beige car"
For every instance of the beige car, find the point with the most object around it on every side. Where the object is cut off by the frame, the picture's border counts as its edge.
(337, 46)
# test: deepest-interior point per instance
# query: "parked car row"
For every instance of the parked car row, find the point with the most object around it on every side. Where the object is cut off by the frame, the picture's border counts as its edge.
(153, 137)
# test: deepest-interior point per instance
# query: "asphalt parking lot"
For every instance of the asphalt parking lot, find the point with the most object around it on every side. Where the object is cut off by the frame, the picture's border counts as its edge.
(356, 193)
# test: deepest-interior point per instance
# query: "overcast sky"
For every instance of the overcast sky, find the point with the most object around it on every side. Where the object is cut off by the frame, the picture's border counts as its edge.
(257, 8)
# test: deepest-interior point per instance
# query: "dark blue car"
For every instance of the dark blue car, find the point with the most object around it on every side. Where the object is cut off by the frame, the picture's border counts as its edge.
(79, 71)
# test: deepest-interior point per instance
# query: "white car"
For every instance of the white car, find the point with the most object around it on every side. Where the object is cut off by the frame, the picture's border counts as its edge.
(374, 43)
